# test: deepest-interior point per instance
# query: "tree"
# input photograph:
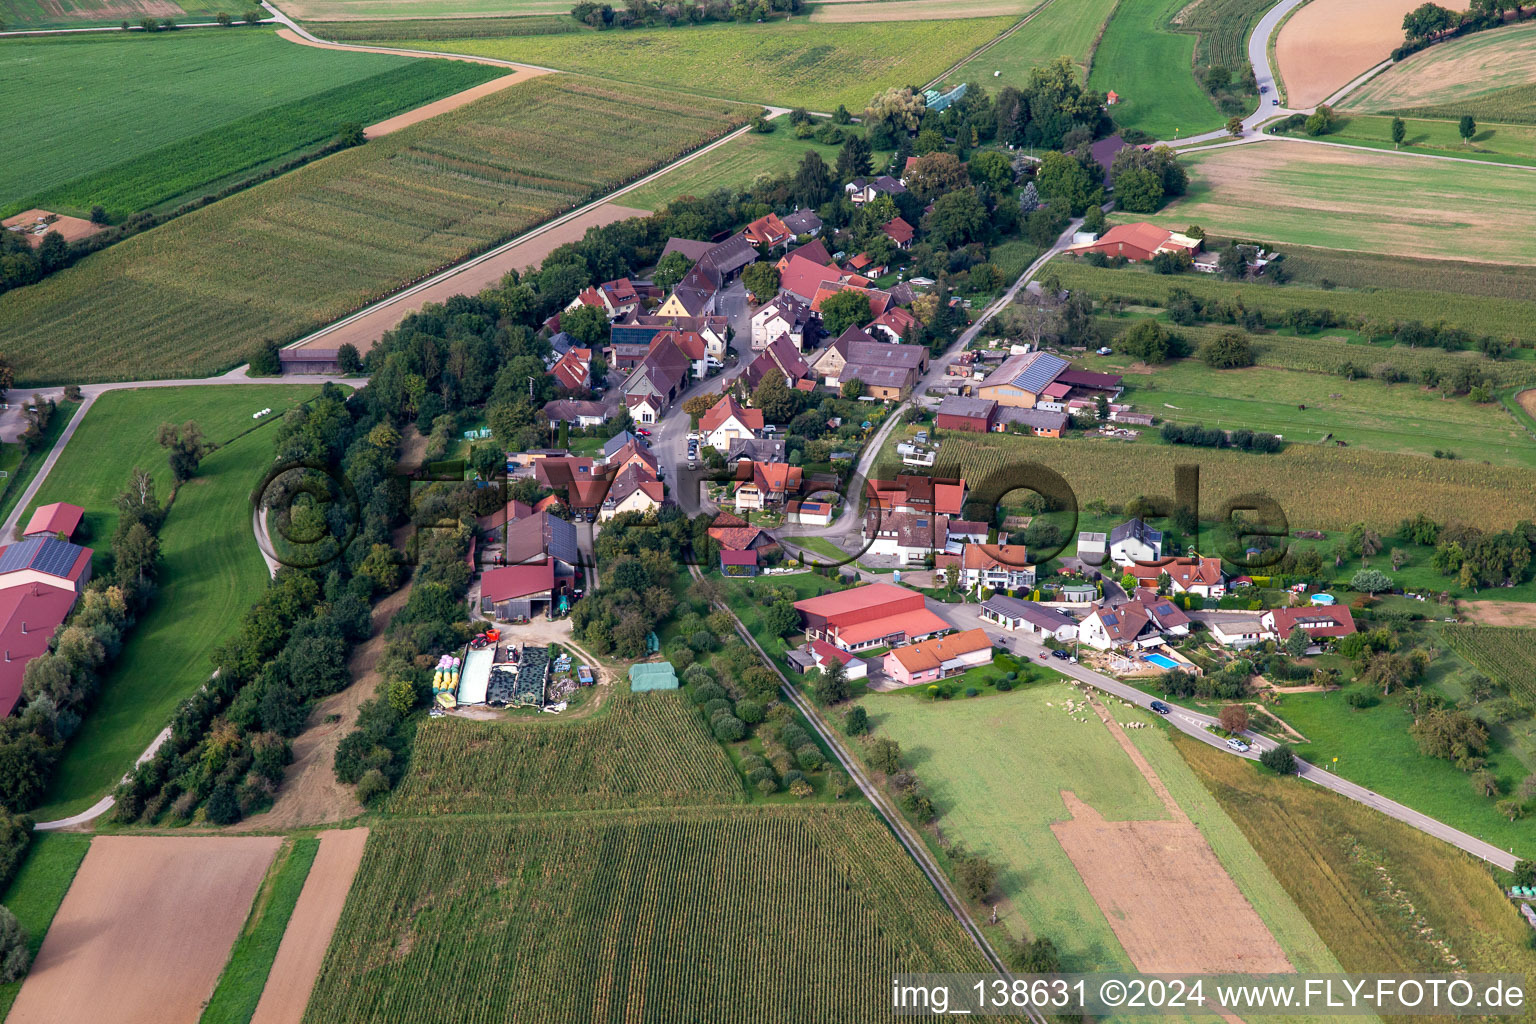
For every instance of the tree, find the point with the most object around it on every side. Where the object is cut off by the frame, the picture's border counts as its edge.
(185, 446)
(957, 218)
(671, 270)
(1235, 126)
(1029, 199)
(952, 576)
(885, 755)
(1037, 956)
(848, 308)
(350, 134)
(1281, 759)
(1233, 718)
(977, 876)
(856, 722)
(832, 687)
(781, 618)
(265, 361)
(1428, 20)
(1139, 190)
(1066, 184)
(1466, 128)
(897, 109)
(1297, 642)
(348, 360)
(992, 169)
(587, 324)
(935, 175)
(853, 160)
(1370, 581)
(700, 404)
(1129, 583)
(773, 396)
(15, 954)
(1227, 351)
(761, 279)
(1151, 342)
(1399, 132)
(852, 388)
(813, 184)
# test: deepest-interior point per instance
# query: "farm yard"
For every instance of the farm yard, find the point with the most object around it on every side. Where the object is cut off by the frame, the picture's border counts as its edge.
(1384, 896)
(1323, 47)
(1149, 64)
(1317, 195)
(30, 15)
(210, 571)
(176, 115)
(1490, 75)
(1057, 28)
(176, 902)
(792, 64)
(1375, 487)
(194, 296)
(1015, 815)
(732, 914)
(636, 751)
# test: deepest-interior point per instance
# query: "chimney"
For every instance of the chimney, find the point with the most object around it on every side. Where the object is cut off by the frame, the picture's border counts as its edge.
(23, 627)
(7, 655)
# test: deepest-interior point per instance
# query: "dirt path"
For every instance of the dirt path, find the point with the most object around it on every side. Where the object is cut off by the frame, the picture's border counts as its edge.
(309, 931)
(1134, 753)
(310, 794)
(447, 103)
(144, 930)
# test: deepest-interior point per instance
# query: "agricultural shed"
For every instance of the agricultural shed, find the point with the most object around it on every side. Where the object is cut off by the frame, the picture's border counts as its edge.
(475, 679)
(655, 675)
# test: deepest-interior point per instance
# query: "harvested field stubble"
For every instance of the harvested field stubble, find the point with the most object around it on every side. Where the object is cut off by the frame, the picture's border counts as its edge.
(1325, 46)
(728, 915)
(196, 295)
(1459, 73)
(641, 750)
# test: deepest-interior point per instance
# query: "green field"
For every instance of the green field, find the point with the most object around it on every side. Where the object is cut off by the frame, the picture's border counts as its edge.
(23, 466)
(636, 751)
(38, 889)
(1150, 66)
(250, 961)
(1490, 75)
(1342, 198)
(1318, 487)
(996, 767)
(1305, 408)
(210, 569)
(1060, 28)
(730, 915)
(194, 296)
(1493, 142)
(392, 10)
(735, 166)
(447, 28)
(1507, 655)
(1384, 896)
(25, 15)
(792, 64)
(174, 113)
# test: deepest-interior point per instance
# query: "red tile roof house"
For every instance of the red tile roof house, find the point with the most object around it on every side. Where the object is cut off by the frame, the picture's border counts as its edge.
(974, 415)
(900, 232)
(918, 494)
(895, 324)
(59, 519)
(823, 653)
(990, 567)
(1319, 623)
(781, 356)
(815, 251)
(574, 370)
(865, 264)
(769, 231)
(1193, 575)
(728, 420)
(765, 484)
(938, 658)
(874, 615)
(41, 577)
(1138, 242)
(635, 489)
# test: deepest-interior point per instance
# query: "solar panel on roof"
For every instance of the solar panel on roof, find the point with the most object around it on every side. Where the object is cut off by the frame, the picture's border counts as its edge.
(55, 557)
(1111, 620)
(1040, 372)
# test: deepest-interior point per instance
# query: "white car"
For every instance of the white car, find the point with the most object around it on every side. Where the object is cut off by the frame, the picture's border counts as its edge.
(1237, 745)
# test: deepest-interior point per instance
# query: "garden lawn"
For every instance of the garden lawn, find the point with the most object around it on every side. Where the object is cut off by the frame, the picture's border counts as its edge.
(250, 961)
(210, 568)
(173, 113)
(1150, 66)
(1342, 198)
(1375, 750)
(1062, 28)
(196, 295)
(735, 166)
(39, 888)
(792, 64)
(1305, 408)
(1493, 142)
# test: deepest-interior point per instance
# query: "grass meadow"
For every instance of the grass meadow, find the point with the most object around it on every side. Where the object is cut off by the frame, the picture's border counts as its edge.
(1061, 28)
(250, 961)
(735, 166)
(1149, 64)
(210, 569)
(100, 107)
(1486, 74)
(1383, 896)
(38, 889)
(1497, 143)
(733, 915)
(1339, 198)
(791, 64)
(194, 296)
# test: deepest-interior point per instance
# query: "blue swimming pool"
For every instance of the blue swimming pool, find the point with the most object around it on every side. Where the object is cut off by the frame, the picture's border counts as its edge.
(1162, 661)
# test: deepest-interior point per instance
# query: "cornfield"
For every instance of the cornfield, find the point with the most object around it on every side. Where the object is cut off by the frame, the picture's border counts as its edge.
(726, 915)
(196, 295)
(1506, 653)
(643, 750)
(1317, 487)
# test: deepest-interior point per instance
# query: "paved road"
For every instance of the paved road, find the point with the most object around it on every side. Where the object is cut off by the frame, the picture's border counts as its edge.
(1258, 56)
(1192, 723)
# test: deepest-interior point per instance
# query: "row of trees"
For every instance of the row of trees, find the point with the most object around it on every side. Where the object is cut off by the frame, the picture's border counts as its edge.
(1429, 22)
(646, 13)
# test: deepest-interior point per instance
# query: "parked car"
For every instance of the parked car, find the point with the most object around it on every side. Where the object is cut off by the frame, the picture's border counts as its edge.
(1161, 708)
(1263, 89)
(1237, 745)
(1063, 655)
(642, 432)
(1274, 103)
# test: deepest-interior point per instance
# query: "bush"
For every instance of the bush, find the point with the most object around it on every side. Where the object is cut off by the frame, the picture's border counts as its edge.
(918, 806)
(971, 691)
(15, 955)
(885, 755)
(810, 757)
(729, 729)
(714, 707)
(749, 711)
(15, 836)
(802, 789)
(371, 785)
(1281, 760)
(856, 722)
(1004, 685)
(706, 693)
(767, 786)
